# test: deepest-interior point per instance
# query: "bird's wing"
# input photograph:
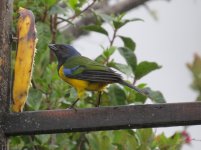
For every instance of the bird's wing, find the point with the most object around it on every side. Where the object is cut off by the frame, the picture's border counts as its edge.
(79, 67)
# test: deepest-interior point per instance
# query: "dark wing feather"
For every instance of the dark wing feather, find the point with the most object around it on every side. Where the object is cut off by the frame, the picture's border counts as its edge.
(99, 76)
(89, 70)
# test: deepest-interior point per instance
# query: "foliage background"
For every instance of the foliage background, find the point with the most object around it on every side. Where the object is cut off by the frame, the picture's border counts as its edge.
(51, 93)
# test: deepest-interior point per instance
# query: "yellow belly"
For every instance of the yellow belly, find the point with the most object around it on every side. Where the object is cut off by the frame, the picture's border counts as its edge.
(82, 85)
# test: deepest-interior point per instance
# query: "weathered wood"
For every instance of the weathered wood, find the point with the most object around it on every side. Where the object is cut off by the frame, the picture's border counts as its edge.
(103, 118)
(5, 45)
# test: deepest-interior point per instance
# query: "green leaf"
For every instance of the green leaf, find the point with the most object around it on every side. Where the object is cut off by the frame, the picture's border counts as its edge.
(131, 20)
(34, 99)
(128, 42)
(144, 68)
(42, 56)
(195, 68)
(93, 140)
(56, 9)
(117, 24)
(134, 19)
(121, 67)
(50, 2)
(139, 98)
(44, 138)
(129, 56)
(109, 51)
(73, 3)
(105, 142)
(95, 28)
(146, 137)
(173, 142)
(155, 96)
(16, 142)
(101, 59)
(135, 97)
(104, 17)
(117, 95)
(129, 142)
(120, 23)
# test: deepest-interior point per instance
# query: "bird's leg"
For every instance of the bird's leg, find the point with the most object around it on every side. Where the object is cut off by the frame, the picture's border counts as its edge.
(73, 104)
(98, 99)
(80, 92)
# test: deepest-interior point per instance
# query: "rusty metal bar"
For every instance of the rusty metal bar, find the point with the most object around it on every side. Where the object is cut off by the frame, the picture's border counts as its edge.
(5, 51)
(103, 118)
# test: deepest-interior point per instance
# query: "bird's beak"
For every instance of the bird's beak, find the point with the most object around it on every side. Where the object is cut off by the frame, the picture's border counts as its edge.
(52, 47)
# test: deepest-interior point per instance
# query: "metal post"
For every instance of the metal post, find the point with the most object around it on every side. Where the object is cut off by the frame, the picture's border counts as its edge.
(5, 47)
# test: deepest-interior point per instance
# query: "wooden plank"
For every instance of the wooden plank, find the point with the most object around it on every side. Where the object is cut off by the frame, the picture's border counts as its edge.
(5, 47)
(103, 118)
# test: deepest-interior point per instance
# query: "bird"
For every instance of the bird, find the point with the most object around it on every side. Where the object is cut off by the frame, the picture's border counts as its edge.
(85, 74)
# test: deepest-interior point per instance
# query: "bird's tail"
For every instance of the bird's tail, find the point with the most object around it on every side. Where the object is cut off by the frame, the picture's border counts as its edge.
(134, 88)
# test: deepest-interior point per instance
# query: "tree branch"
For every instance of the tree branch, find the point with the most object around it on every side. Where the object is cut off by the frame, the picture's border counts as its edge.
(76, 15)
(123, 6)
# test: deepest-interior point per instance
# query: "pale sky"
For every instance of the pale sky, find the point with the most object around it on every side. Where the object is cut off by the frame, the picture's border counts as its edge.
(171, 41)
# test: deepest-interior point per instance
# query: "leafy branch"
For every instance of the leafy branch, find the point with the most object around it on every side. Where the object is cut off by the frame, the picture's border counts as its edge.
(70, 19)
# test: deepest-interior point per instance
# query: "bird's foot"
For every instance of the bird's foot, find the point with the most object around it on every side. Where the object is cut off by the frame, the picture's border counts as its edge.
(98, 99)
(73, 104)
(71, 107)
